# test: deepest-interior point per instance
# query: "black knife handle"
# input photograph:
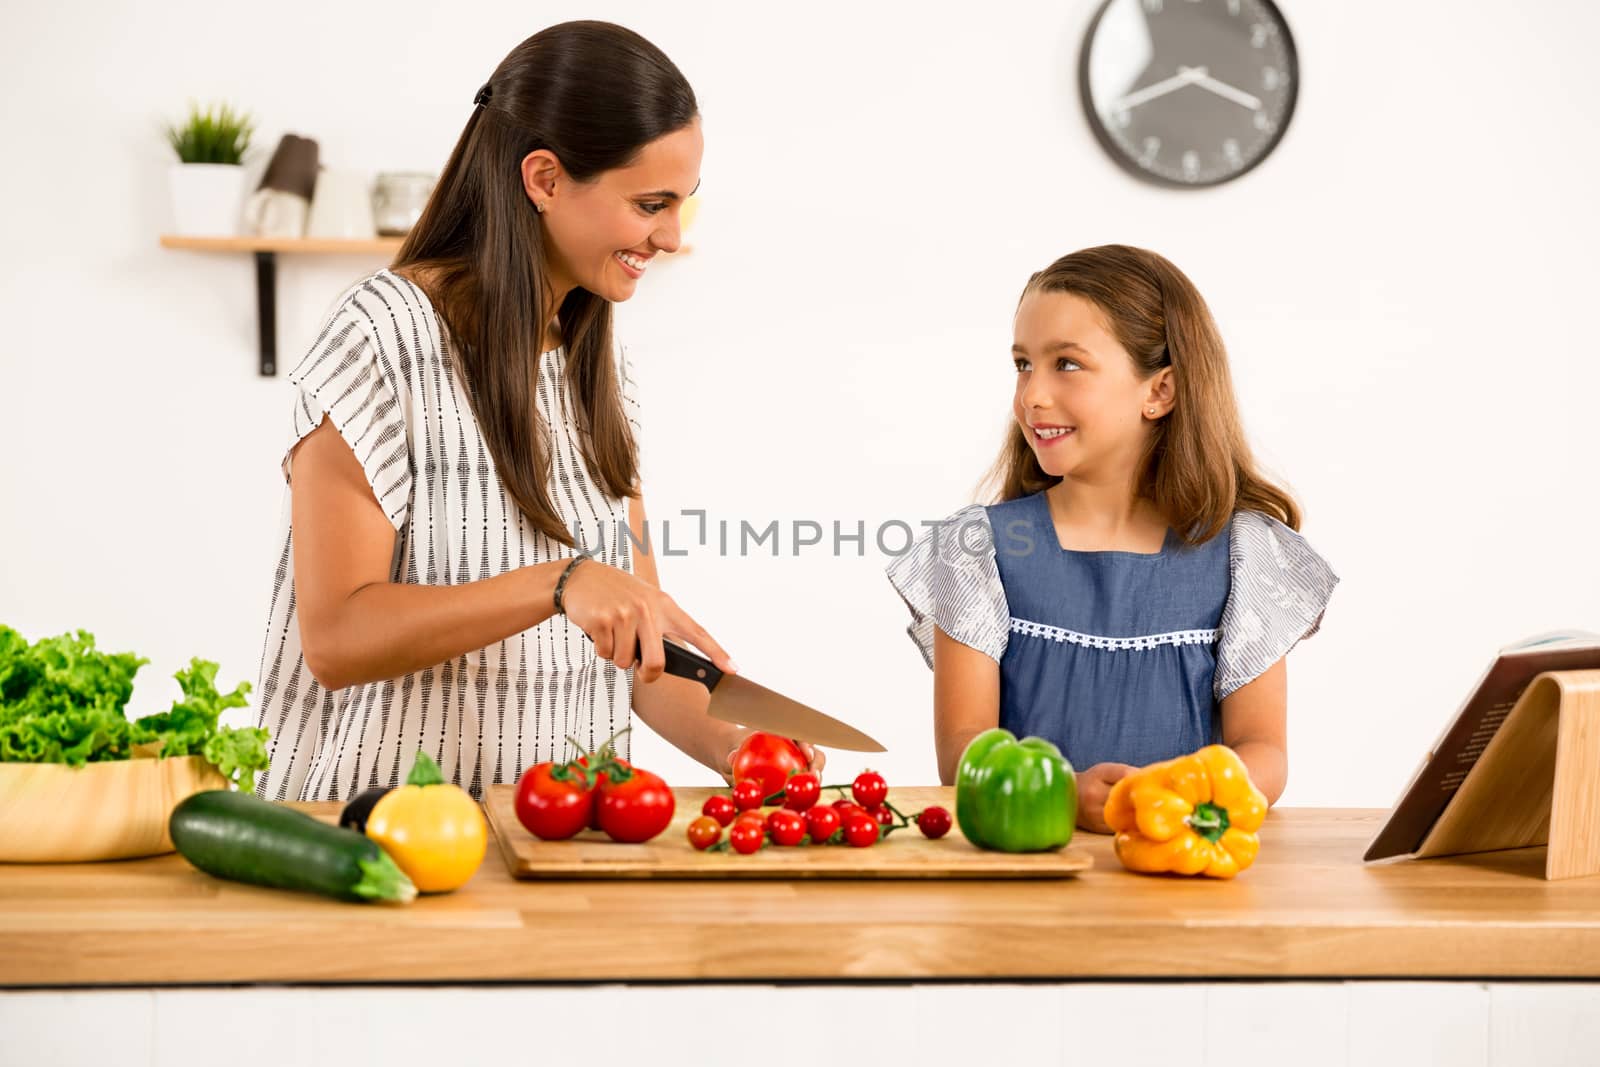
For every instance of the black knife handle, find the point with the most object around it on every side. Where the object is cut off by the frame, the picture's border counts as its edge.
(685, 663)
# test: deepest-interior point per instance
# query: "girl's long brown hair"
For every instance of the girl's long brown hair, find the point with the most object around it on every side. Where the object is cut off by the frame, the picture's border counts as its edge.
(1197, 466)
(594, 94)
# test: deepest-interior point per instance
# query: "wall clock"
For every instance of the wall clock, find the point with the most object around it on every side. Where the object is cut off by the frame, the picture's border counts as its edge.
(1188, 93)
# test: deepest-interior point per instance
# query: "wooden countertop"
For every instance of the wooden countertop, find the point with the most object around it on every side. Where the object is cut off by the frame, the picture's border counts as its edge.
(1308, 908)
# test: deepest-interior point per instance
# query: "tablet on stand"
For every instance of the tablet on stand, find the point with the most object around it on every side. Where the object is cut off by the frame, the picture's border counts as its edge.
(1518, 765)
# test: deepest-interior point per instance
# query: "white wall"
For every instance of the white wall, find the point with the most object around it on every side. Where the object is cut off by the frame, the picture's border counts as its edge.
(1402, 285)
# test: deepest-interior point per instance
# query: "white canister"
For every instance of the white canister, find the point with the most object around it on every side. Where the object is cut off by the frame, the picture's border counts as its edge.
(275, 213)
(206, 198)
(341, 206)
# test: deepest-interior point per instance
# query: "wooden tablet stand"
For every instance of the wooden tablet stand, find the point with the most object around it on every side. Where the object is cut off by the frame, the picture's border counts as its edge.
(1537, 782)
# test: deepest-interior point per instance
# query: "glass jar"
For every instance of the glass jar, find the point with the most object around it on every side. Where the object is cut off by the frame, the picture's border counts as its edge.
(398, 199)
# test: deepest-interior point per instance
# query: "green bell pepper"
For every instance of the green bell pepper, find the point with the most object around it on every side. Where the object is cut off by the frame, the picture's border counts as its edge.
(1015, 796)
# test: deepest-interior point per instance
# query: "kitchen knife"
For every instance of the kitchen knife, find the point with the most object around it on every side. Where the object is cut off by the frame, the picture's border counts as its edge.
(736, 699)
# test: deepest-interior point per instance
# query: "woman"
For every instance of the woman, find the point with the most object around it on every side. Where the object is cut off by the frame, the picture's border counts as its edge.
(455, 572)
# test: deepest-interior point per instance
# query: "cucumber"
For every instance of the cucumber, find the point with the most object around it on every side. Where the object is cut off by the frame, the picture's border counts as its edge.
(243, 838)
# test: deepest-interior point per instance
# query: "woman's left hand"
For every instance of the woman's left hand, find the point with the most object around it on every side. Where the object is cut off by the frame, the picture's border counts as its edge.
(815, 758)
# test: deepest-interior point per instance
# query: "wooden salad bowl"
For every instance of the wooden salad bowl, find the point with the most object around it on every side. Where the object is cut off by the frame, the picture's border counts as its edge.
(113, 810)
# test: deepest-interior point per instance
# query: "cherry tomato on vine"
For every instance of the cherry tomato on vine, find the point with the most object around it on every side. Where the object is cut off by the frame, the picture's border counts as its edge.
(786, 828)
(884, 816)
(800, 793)
(869, 789)
(860, 830)
(747, 795)
(822, 823)
(746, 836)
(704, 832)
(933, 822)
(720, 808)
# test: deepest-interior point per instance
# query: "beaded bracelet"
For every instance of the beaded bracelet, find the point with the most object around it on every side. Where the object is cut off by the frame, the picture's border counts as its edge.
(561, 583)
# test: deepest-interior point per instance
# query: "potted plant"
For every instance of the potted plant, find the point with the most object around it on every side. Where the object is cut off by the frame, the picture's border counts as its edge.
(208, 181)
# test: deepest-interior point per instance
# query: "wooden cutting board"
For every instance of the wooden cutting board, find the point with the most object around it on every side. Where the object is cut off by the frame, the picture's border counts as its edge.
(904, 854)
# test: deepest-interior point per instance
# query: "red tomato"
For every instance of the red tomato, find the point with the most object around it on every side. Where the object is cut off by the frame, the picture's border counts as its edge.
(755, 815)
(746, 837)
(636, 809)
(704, 832)
(594, 815)
(933, 822)
(884, 816)
(769, 759)
(552, 809)
(860, 829)
(748, 794)
(869, 789)
(845, 807)
(822, 823)
(720, 808)
(800, 793)
(788, 828)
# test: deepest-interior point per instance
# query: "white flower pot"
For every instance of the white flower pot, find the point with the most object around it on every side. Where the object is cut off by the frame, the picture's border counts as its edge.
(207, 198)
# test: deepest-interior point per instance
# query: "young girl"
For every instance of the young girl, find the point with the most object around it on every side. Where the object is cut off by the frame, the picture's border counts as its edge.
(1134, 589)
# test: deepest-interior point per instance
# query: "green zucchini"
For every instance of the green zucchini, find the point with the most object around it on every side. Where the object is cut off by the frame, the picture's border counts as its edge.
(243, 838)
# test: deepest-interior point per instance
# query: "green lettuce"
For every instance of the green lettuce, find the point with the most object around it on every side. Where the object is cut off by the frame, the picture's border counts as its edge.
(62, 700)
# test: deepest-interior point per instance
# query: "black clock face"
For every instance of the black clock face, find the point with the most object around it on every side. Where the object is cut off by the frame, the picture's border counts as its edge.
(1188, 92)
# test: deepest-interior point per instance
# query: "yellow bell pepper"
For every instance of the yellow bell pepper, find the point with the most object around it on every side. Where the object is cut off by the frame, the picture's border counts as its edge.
(434, 831)
(1197, 814)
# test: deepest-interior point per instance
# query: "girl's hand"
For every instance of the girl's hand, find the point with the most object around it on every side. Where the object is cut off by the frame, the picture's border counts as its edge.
(621, 614)
(1094, 786)
(815, 760)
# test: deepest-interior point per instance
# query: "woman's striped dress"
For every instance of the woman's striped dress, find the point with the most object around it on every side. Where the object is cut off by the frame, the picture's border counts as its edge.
(383, 372)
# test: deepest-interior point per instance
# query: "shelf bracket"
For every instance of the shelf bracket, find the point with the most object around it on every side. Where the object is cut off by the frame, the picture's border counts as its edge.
(267, 310)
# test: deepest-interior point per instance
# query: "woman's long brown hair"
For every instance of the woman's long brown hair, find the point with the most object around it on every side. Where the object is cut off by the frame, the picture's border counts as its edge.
(1197, 466)
(594, 94)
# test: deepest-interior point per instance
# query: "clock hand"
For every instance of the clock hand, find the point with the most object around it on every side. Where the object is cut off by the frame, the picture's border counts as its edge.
(1226, 91)
(1185, 76)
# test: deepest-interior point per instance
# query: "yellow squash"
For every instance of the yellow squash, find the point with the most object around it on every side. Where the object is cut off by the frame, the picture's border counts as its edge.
(1197, 814)
(434, 831)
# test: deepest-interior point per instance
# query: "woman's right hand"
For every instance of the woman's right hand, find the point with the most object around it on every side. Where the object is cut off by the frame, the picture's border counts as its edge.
(621, 613)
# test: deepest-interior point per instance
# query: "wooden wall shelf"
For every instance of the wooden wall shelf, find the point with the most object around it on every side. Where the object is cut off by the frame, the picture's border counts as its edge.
(266, 250)
(308, 245)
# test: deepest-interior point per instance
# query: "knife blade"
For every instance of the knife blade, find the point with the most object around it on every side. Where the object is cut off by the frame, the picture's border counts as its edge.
(737, 699)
